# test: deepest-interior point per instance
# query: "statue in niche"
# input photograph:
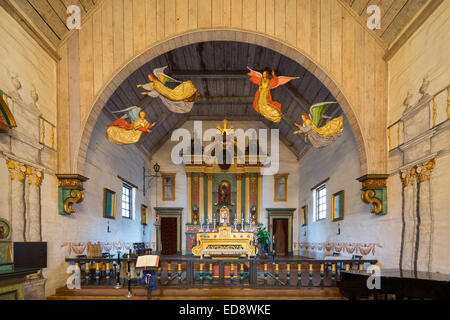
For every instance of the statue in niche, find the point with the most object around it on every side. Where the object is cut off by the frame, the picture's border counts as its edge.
(224, 194)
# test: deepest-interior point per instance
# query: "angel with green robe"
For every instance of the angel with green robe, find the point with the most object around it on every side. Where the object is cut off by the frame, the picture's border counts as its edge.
(320, 134)
(180, 99)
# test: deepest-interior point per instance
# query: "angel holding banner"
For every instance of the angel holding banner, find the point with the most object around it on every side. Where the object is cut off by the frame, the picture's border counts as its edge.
(319, 134)
(263, 102)
(179, 100)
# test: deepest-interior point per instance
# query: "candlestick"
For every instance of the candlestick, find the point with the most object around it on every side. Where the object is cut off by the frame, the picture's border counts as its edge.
(235, 225)
(242, 225)
(118, 286)
(201, 225)
(214, 223)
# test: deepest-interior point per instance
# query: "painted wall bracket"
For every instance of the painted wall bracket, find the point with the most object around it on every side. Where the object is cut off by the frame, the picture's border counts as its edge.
(70, 191)
(374, 192)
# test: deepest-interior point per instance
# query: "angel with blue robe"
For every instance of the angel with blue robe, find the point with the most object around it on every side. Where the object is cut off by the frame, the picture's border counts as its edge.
(179, 100)
(318, 133)
(122, 132)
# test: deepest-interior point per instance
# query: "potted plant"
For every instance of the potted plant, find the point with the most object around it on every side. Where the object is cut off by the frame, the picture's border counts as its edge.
(263, 240)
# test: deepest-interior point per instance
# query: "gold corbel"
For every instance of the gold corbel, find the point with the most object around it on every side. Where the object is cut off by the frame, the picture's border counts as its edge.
(77, 196)
(368, 197)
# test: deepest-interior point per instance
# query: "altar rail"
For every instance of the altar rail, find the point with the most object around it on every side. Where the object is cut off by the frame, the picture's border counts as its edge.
(189, 271)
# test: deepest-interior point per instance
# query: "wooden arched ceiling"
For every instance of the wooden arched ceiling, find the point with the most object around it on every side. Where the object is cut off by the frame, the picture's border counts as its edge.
(219, 71)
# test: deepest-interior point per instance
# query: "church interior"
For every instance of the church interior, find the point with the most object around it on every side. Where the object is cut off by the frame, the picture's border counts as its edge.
(224, 149)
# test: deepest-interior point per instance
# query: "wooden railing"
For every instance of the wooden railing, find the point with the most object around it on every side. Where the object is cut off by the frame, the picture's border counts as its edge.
(190, 271)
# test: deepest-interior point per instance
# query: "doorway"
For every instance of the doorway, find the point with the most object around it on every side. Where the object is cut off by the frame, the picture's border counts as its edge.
(280, 237)
(169, 236)
(281, 219)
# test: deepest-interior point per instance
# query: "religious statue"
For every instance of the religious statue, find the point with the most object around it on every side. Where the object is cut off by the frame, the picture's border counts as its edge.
(224, 215)
(263, 103)
(180, 99)
(224, 194)
(121, 132)
(320, 135)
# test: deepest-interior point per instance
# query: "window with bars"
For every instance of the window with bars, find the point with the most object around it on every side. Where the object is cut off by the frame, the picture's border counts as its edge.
(321, 202)
(126, 201)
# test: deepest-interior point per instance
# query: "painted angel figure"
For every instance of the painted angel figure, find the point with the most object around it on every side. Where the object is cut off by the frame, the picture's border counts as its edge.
(319, 134)
(263, 102)
(180, 99)
(122, 132)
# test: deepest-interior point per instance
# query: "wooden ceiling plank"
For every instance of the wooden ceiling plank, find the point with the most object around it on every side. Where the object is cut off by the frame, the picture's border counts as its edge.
(50, 17)
(431, 7)
(60, 9)
(402, 19)
(68, 3)
(38, 21)
(87, 5)
(390, 15)
(359, 6)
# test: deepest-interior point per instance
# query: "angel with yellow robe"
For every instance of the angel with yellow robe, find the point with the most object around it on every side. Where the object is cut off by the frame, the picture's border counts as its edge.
(121, 132)
(263, 103)
(320, 135)
(180, 99)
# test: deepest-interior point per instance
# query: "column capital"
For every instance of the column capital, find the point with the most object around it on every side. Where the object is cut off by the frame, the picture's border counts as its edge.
(16, 169)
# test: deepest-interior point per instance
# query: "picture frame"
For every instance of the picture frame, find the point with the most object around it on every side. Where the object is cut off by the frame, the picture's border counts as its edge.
(109, 204)
(337, 206)
(280, 187)
(144, 214)
(168, 186)
(304, 215)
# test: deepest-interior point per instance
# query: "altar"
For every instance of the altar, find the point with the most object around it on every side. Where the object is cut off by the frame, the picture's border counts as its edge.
(224, 203)
(225, 244)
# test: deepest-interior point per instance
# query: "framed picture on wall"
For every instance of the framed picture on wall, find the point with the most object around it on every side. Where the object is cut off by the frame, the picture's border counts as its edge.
(144, 214)
(280, 187)
(337, 206)
(304, 215)
(109, 204)
(168, 193)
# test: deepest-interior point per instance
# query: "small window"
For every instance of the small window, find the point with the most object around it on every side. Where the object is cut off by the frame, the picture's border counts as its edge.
(168, 186)
(321, 202)
(127, 195)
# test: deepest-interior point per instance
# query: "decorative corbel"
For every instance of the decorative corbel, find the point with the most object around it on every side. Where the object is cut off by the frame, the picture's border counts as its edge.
(70, 191)
(374, 192)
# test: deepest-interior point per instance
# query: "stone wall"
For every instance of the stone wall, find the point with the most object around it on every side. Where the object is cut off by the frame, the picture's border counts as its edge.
(288, 164)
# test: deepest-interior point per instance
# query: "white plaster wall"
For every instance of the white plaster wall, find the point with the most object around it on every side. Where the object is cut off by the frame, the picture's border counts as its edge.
(424, 54)
(105, 161)
(340, 163)
(20, 54)
(288, 164)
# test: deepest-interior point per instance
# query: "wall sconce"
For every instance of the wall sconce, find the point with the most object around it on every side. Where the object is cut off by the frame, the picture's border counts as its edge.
(338, 229)
(107, 229)
(149, 174)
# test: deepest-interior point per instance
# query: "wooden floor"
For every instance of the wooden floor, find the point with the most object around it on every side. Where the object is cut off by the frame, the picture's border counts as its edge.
(215, 293)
